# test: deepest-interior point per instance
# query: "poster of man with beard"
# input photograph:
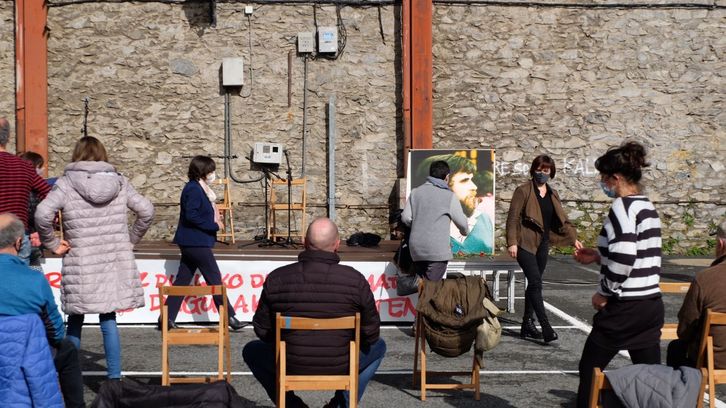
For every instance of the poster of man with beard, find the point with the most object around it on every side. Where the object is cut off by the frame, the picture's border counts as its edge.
(471, 179)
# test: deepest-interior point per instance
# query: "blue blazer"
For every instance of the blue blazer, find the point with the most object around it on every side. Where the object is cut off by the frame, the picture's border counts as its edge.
(196, 218)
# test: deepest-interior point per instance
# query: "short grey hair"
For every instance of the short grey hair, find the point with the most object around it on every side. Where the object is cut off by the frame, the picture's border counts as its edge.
(10, 231)
(4, 131)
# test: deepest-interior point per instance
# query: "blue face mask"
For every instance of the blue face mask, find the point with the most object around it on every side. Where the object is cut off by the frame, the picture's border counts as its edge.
(607, 190)
(540, 177)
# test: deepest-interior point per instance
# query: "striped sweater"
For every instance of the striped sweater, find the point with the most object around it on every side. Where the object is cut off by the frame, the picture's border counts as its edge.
(630, 250)
(17, 179)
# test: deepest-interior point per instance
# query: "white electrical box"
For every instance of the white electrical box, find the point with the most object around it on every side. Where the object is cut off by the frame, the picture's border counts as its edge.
(267, 153)
(305, 43)
(328, 39)
(233, 73)
(248, 10)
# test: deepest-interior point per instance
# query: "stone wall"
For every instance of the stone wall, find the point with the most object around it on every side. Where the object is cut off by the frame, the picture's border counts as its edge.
(152, 72)
(571, 83)
(7, 63)
(566, 82)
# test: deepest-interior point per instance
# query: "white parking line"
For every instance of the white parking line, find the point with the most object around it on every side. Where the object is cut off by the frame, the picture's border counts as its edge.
(378, 372)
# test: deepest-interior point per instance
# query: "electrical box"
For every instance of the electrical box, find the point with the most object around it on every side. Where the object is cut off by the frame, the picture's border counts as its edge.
(305, 43)
(267, 153)
(248, 10)
(328, 39)
(233, 73)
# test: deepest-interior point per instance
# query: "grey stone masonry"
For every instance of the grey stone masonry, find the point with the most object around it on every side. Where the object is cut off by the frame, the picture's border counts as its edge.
(568, 82)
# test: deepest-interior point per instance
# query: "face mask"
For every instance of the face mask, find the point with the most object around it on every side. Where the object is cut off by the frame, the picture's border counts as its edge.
(211, 177)
(607, 190)
(540, 177)
(39, 171)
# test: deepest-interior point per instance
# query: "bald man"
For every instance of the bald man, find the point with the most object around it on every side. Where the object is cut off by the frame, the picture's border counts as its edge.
(315, 286)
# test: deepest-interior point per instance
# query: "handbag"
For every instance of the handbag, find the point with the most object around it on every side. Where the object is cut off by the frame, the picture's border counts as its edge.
(489, 333)
(406, 281)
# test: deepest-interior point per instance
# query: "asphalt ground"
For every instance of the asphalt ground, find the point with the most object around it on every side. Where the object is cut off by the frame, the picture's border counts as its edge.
(517, 373)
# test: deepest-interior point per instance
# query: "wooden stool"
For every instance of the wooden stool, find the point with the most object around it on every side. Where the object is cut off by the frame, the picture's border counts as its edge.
(227, 216)
(298, 187)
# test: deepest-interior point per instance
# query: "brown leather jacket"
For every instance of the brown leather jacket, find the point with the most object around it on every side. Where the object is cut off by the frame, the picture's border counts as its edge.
(524, 221)
(707, 291)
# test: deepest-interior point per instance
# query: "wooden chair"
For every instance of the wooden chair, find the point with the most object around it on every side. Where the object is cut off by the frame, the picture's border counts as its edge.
(217, 335)
(420, 354)
(670, 330)
(226, 207)
(600, 383)
(278, 189)
(715, 375)
(286, 382)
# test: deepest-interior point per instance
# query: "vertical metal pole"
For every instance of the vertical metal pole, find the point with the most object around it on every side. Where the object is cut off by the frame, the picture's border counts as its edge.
(331, 158)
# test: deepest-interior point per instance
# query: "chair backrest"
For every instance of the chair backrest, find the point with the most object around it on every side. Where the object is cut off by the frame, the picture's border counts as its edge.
(287, 382)
(670, 330)
(706, 358)
(212, 290)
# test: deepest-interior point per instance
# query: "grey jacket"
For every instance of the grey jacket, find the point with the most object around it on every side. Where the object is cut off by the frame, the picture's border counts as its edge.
(429, 212)
(655, 386)
(99, 273)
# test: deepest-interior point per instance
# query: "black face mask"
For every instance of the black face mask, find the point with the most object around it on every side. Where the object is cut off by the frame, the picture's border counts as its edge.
(540, 177)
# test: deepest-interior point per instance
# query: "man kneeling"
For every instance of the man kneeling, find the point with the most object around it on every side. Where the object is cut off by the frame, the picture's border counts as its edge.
(315, 286)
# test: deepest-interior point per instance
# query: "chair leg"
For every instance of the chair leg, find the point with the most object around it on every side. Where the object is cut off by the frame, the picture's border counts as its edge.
(475, 378)
(415, 351)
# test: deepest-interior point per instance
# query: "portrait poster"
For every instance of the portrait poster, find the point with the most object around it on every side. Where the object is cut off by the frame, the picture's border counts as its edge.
(472, 180)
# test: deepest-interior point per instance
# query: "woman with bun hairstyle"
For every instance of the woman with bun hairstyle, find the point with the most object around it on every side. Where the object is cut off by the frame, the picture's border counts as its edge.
(628, 300)
(535, 220)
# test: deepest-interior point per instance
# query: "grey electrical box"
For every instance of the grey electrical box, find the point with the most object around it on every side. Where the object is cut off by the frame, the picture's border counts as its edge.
(328, 39)
(267, 153)
(305, 43)
(233, 73)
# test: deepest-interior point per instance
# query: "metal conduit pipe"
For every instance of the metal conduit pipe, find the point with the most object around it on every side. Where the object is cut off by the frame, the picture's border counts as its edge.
(331, 158)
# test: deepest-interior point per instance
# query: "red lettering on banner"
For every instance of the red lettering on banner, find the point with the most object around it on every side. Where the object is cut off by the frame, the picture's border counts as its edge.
(233, 281)
(54, 279)
(257, 280)
(143, 276)
(396, 307)
(154, 303)
(162, 279)
(381, 281)
(241, 303)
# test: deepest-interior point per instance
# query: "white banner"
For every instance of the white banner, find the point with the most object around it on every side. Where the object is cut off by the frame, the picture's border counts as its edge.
(244, 280)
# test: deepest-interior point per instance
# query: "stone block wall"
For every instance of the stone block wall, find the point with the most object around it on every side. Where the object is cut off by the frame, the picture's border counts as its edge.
(569, 82)
(7, 63)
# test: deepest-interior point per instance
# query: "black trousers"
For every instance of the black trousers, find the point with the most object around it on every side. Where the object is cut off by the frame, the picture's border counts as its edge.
(193, 258)
(70, 378)
(533, 266)
(678, 355)
(594, 355)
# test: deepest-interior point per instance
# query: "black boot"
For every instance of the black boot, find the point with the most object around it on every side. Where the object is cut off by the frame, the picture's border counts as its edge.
(172, 325)
(235, 324)
(529, 329)
(548, 334)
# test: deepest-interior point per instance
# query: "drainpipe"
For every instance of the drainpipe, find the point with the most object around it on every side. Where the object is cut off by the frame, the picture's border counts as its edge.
(331, 158)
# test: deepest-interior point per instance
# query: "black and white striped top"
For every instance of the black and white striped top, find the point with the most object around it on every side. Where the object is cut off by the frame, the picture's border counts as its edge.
(630, 250)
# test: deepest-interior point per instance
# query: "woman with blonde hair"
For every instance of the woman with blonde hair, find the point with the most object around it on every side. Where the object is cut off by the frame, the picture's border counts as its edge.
(99, 273)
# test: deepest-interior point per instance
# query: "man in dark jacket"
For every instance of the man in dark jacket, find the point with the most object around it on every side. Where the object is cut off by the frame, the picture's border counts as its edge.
(315, 286)
(26, 291)
(707, 291)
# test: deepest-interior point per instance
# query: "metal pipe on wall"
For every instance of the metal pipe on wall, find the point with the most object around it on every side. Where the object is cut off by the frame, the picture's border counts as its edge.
(331, 157)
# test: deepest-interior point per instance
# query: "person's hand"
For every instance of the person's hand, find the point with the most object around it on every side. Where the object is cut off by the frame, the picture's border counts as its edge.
(63, 248)
(586, 256)
(220, 224)
(35, 239)
(578, 244)
(512, 251)
(599, 301)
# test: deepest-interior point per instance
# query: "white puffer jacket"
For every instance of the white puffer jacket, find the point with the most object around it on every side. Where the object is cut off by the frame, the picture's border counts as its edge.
(99, 272)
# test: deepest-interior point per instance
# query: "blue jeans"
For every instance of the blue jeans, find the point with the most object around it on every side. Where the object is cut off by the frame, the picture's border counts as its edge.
(111, 340)
(260, 358)
(25, 249)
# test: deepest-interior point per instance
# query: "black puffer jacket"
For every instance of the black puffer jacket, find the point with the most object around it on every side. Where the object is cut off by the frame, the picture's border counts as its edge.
(317, 286)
